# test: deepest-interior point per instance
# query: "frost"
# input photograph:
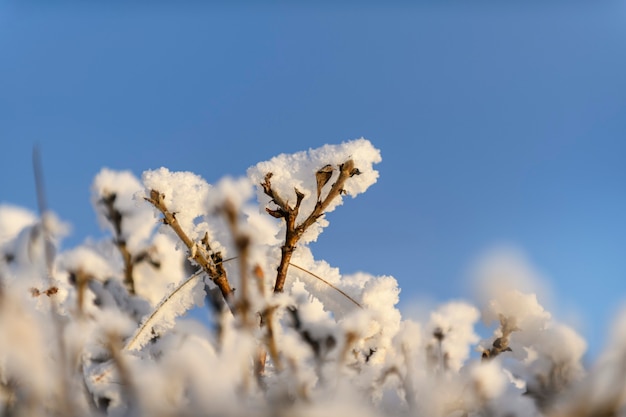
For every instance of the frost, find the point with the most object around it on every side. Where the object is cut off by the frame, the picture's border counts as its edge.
(452, 327)
(180, 299)
(326, 283)
(113, 198)
(230, 190)
(164, 268)
(297, 172)
(86, 260)
(489, 379)
(27, 254)
(118, 326)
(12, 220)
(549, 352)
(184, 193)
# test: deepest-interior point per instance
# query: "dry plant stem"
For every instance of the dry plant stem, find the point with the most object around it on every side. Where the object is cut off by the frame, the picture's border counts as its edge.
(259, 364)
(267, 321)
(351, 338)
(115, 217)
(295, 231)
(114, 345)
(267, 318)
(242, 242)
(212, 267)
(243, 305)
(66, 399)
(82, 279)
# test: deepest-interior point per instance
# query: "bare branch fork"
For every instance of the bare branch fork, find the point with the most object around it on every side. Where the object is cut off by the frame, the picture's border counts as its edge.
(211, 262)
(295, 231)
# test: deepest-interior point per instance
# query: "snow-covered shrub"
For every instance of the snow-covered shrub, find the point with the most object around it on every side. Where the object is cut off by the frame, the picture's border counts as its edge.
(100, 329)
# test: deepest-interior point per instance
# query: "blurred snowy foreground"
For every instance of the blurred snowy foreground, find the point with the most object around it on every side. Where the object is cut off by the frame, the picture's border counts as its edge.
(93, 331)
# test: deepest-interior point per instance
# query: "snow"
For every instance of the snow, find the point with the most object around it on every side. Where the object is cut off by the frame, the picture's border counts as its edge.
(178, 300)
(297, 171)
(152, 282)
(330, 343)
(184, 193)
(24, 347)
(488, 379)
(455, 321)
(86, 260)
(12, 220)
(122, 186)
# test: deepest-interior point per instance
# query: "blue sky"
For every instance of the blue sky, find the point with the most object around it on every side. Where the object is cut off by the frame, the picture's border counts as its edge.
(499, 123)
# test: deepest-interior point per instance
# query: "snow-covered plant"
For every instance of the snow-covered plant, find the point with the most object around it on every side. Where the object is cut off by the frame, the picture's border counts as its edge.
(102, 329)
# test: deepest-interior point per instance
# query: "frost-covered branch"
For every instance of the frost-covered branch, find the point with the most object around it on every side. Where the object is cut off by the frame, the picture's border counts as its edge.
(75, 341)
(200, 252)
(294, 231)
(115, 217)
(242, 243)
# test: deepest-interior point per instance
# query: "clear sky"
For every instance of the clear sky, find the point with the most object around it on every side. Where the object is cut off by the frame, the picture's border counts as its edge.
(499, 123)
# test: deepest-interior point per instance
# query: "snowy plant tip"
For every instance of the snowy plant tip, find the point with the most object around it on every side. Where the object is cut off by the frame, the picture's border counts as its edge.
(113, 196)
(114, 188)
(288, 184)
(312, 173)
(88, 261)
(183, 193)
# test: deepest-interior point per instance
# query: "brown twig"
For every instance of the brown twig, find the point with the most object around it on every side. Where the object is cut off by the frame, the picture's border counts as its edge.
(242, 242)
(115, 217)
(267, 318)
(295, 231)
(267, 321)
(80, 279)
(211, 263)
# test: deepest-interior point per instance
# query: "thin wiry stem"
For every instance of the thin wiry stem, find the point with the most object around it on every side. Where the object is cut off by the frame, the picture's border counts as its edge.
(147, 323)
(339, 290)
